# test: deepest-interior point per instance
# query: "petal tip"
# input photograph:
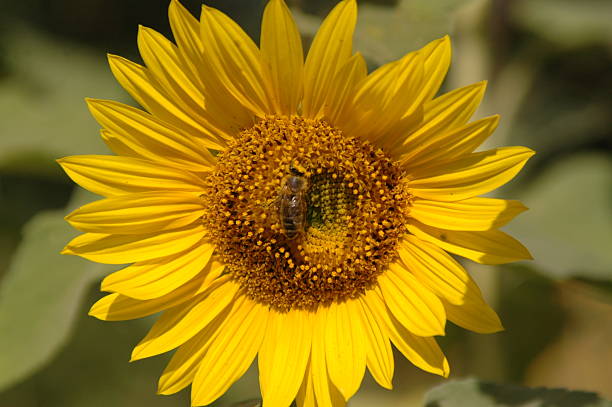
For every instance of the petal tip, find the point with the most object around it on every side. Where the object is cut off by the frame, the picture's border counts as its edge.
(134, 356)
(162, 391)
(106, 286)
(95, 312)
(444, 42)
(446, 369)
(144, 30)
(67, 250)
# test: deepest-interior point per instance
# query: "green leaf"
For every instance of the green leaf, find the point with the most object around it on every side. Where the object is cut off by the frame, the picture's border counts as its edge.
(567, 23)
(476, 393)
(568, 228)
(42, 101)
(41, 295)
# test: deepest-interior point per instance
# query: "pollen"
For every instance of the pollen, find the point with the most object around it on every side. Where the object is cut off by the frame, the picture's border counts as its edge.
(344, 222)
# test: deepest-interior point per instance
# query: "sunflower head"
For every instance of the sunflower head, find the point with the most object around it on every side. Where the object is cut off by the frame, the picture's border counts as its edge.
(300, 211)
(303, 238)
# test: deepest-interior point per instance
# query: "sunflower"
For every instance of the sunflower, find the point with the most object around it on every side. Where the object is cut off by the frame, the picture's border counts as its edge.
(297, 211)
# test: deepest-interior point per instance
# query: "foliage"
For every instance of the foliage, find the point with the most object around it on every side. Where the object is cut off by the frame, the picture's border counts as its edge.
(476, 393)
(41, 296)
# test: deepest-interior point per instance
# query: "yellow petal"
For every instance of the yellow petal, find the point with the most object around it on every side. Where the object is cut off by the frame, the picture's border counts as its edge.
(487, 247)
(456, 106)
(389, 100)
(235, 60)
(345, 347)
(178, 325)
(222, 109)
(415, 307)
(186, 33)
(422, 82)
(231, 352)
(441, 273)
(318, 364)
(436, 269)
(379, 355)
(331, 48)
(185, 362)
(123, 249)
(132, 148)
(307, 397)
(284, 355)
(119, 147)
(149, 137)
(423, 352)
(474, 315)
(338, 107)
(326, 393)
(282, 55)
(139, 83)
(470, 175)
(117, 307)
(108, 175)
(213, 270)
(132, 214)
(162, 60)
(469, 214)
(444, 113)
(152, 279)
(448, 145)
(437, 55)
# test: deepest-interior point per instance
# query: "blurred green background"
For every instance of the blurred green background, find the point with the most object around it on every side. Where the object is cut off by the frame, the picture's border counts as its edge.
(549, 66)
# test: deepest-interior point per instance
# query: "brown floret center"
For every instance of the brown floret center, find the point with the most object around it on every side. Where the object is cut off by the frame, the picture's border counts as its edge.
(302, 214)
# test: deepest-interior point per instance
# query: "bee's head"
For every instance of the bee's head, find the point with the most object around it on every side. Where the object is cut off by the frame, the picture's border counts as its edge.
(294, 171)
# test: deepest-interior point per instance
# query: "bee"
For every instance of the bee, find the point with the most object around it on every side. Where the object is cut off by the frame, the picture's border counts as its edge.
(292, 206)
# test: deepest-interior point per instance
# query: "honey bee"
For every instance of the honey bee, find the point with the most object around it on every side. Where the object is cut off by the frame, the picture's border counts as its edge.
(292, 206)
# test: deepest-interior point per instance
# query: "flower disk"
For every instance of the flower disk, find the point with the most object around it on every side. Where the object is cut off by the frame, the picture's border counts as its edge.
(354, 211)
(303, 213)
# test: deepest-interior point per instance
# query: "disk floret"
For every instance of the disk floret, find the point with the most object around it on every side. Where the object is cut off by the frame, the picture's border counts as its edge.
(355, 211)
